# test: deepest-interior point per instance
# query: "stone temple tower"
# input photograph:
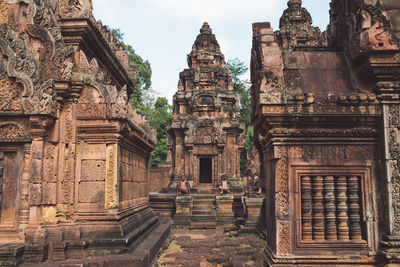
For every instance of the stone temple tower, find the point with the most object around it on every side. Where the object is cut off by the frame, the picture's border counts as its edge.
(205, 137)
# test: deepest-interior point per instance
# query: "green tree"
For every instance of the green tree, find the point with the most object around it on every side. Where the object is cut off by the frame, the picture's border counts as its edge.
(143, 95)
(157, 111)
(160, 116)
(238, 68)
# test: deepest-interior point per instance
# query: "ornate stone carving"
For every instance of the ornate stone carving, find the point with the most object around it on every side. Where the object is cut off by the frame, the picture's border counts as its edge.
(50, 163)
(10, 95)
(284, 238)
(295, 27)
(119, 109)
(14, 132)
(38, 96)
(68, 173)
(93, 170)
(394, 153)
(75, 8)
(4, 11)
(111, 194)
(45, 98)
(366, 27)
(282, 182)
(205, 124)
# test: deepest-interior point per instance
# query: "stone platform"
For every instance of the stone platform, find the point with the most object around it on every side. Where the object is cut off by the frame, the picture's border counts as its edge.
(142, 255)
(213, 247)
(207, 211)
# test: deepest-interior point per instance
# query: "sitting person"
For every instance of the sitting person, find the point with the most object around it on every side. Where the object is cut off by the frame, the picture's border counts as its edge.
(183, 186)
(256, 185)
(250, 184)
(223, 185)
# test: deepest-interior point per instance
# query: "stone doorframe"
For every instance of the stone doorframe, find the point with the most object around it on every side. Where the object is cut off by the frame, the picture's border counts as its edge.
(11, 231)
(196, 172)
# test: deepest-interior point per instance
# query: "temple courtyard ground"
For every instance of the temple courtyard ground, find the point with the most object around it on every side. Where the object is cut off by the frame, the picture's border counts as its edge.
(212, 247)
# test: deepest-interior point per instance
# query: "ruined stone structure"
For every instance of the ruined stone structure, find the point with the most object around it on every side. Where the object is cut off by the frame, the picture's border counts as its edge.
(326, 111)
(205, 137)
(73, 153)
(205, 140)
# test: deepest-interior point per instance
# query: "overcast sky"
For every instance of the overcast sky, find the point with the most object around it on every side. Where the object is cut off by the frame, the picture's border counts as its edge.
(163, 31)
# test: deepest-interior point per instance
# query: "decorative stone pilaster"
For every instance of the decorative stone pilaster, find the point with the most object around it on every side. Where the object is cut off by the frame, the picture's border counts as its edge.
(183, 213)
(391, 242)
(224, 205)
(111, 190)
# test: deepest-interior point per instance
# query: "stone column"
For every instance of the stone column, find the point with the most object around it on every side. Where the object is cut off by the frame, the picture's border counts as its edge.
(390, 244)
(183, 213)
(224, 205)
(36, 238)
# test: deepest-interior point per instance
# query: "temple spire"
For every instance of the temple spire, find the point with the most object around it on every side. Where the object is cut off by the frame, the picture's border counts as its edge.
(294, 3)
(296, 27)
(206, 29)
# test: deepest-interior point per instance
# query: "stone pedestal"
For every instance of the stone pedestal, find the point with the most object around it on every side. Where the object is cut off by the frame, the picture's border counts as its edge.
(183, 209)
(254, 212)
(163, 204)
(224, 205)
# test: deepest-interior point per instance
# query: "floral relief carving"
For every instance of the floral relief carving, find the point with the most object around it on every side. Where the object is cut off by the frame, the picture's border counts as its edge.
(111, 195)
(119, 109)
(394, 152)
(284, 238)
(75, 8)
(282, 182)
(10, 95)
(14, 132)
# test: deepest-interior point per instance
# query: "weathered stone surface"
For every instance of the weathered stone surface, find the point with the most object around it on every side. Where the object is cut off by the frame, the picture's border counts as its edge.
(205, 137)
(322, 170)
(73, 152)
(212, 247)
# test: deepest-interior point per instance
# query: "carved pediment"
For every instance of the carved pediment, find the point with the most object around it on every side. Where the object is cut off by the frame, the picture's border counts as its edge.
(13, 132)
(10, 94)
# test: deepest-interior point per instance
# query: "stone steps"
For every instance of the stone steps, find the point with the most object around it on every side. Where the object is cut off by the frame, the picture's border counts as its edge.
(142, 256)
(11, 254)
(203, 207)
(203, 212)
(204, 218)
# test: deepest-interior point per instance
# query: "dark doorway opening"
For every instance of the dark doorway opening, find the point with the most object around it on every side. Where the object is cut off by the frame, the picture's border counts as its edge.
(206, 170)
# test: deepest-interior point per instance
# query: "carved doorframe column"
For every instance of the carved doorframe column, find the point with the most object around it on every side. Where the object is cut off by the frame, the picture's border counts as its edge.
(38, 127)
(391, 170)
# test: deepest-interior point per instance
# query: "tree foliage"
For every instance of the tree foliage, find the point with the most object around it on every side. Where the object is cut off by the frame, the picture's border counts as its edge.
(160, 116)
(242, 86)
(157, 111)
(143, 95)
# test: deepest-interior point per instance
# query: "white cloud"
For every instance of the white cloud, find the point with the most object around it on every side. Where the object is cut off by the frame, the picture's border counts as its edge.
(215, 10)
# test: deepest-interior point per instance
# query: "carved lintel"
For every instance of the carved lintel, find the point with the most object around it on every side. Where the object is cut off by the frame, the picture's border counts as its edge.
(111, 190)
(14, 132)
(39, 126)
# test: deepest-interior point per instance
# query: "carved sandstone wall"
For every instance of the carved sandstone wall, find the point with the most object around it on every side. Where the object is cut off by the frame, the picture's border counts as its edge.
(205, 125)
(76, 150)
(319, 101)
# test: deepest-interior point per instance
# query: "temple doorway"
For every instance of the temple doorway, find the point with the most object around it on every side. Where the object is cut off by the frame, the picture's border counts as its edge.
(205, 170)
(8, 187)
